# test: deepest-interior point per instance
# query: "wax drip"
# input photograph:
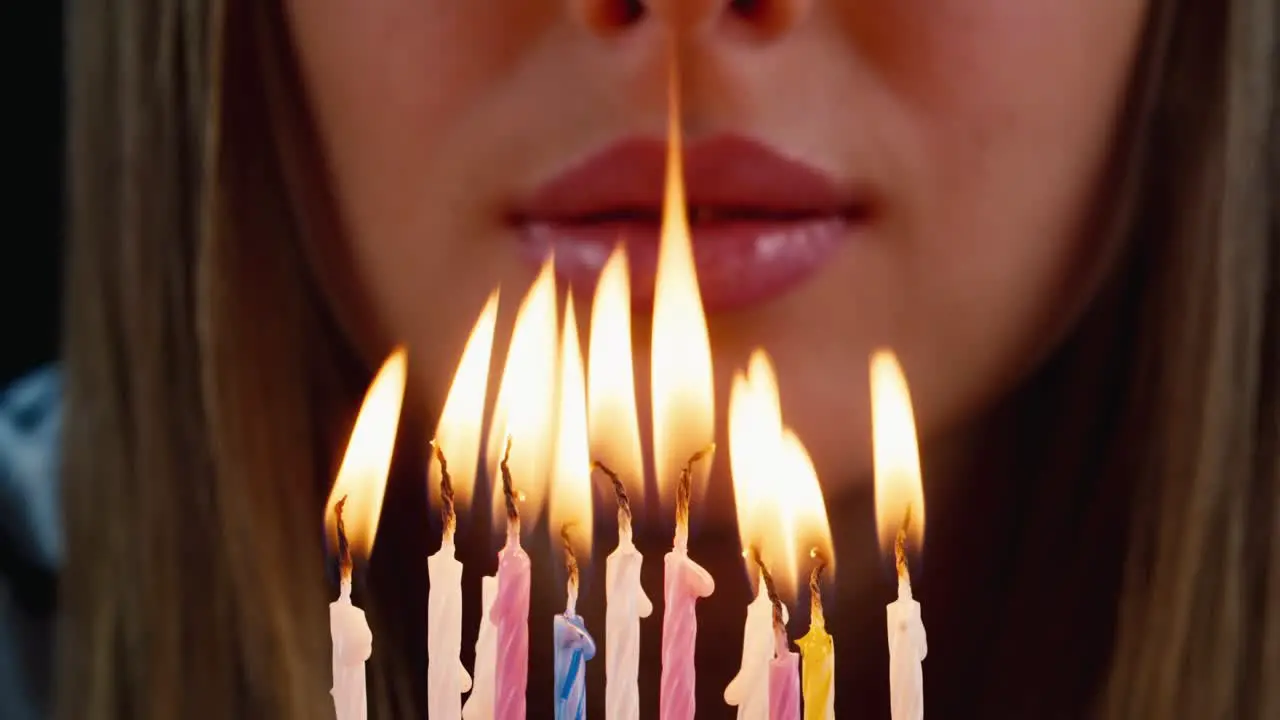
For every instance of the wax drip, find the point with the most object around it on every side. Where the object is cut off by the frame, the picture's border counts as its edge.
(447, 512)
(620, 493)
(344, 547)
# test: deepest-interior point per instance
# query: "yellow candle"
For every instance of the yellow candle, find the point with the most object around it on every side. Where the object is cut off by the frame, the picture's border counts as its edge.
(818, 660)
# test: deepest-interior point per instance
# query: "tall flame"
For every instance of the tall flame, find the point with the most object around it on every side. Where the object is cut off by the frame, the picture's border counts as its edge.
(611, 393)
(571, 480)
(526, 405)
(362, 477)
(779, 501)
(899, 488)
(683, 389)
(458, 432)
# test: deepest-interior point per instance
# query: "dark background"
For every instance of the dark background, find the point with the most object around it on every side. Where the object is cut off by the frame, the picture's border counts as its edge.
(30, 253)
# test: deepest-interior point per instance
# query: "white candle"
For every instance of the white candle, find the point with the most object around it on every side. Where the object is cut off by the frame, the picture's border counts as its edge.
(352, 646)
(899, 519)
(749, 690)
(907, 648)
(626, 604)
(447, 679)
(479, 705)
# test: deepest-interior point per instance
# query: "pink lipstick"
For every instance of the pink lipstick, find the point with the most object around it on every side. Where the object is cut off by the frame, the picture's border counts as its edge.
(761, 223)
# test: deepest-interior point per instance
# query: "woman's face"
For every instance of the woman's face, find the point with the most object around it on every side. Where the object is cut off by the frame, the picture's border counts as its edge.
(909, 174)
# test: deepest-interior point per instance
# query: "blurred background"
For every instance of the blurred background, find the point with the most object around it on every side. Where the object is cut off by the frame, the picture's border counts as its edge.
(31, 249)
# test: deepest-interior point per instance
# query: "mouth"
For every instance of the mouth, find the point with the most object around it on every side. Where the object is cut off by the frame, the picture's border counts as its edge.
(761, 224)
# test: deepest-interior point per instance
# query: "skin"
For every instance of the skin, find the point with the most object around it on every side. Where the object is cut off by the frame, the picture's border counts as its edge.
(982, 126)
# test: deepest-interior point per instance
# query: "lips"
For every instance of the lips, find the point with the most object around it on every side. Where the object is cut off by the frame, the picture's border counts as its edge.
(761, 223)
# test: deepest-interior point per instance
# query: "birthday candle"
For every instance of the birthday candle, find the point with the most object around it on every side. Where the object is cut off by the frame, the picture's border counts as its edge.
(510, 613)
(817, 650)
(352, 646)
(358, 490)
(684, 581)
(749, 689)
(571, 513)
(574, 646)
(908, 647)
(782, 696)
(479, 705)
(447, 679)
(899, 492)
(626, 604)
(784, 682)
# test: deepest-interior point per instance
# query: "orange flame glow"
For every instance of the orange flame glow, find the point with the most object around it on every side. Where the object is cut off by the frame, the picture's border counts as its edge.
(899, 488)
(458, 432)
(526, 405)
(611, 392)
(779, 500)
(362, 477)
(571, 479)
(682, 381)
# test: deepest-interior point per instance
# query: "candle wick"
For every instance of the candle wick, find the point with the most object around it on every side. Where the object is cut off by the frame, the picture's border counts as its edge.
(513, 513)
(447, 512)
(771, 589)
(620, 494)
(900, 548)
(684, 488)
(344, 547)
(571, 565)
(816, 616)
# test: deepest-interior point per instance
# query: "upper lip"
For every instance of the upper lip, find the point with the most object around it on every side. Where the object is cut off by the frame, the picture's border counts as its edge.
(727, 175)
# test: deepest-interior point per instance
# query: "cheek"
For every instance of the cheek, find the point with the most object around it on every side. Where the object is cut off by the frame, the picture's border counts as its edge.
(1014, 106)
(393, 85)
(1001, 118)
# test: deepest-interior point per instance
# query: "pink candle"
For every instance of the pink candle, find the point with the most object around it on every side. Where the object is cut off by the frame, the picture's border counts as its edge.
(784, 682)
(684, 581)
(510, 614)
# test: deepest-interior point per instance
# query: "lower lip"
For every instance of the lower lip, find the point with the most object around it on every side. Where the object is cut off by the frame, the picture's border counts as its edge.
(740, 263)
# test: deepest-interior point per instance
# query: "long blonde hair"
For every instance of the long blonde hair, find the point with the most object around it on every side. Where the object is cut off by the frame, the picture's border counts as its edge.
(208, 375)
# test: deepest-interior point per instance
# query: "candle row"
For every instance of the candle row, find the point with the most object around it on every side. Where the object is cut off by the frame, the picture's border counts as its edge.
(768, 684)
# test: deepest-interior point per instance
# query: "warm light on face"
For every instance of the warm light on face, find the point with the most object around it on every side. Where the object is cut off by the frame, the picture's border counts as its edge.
(897, 456)
(779, 500)
(362, 477)
(458, 432)
(526, 404)
(683, 390)
(611, 393)
(571, 477)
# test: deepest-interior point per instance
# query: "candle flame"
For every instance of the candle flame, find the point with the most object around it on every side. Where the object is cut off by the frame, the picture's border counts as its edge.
(899, 489)
(525, 409)
(362, 477)
(810, 522)
(613, 427)
(571, 480)
(682, 381)
(780, 508)
(458, 431)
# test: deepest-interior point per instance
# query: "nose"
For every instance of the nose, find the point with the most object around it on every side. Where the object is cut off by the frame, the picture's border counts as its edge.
(765, 18)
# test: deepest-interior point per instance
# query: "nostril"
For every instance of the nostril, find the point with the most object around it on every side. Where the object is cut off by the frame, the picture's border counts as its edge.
(747, 8)
(628, 11)
(608, 15)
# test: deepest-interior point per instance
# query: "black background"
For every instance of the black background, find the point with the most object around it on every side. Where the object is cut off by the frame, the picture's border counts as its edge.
(30, 253)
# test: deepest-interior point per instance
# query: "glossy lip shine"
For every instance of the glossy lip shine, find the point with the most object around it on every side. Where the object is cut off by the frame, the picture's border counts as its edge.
(761, 224)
